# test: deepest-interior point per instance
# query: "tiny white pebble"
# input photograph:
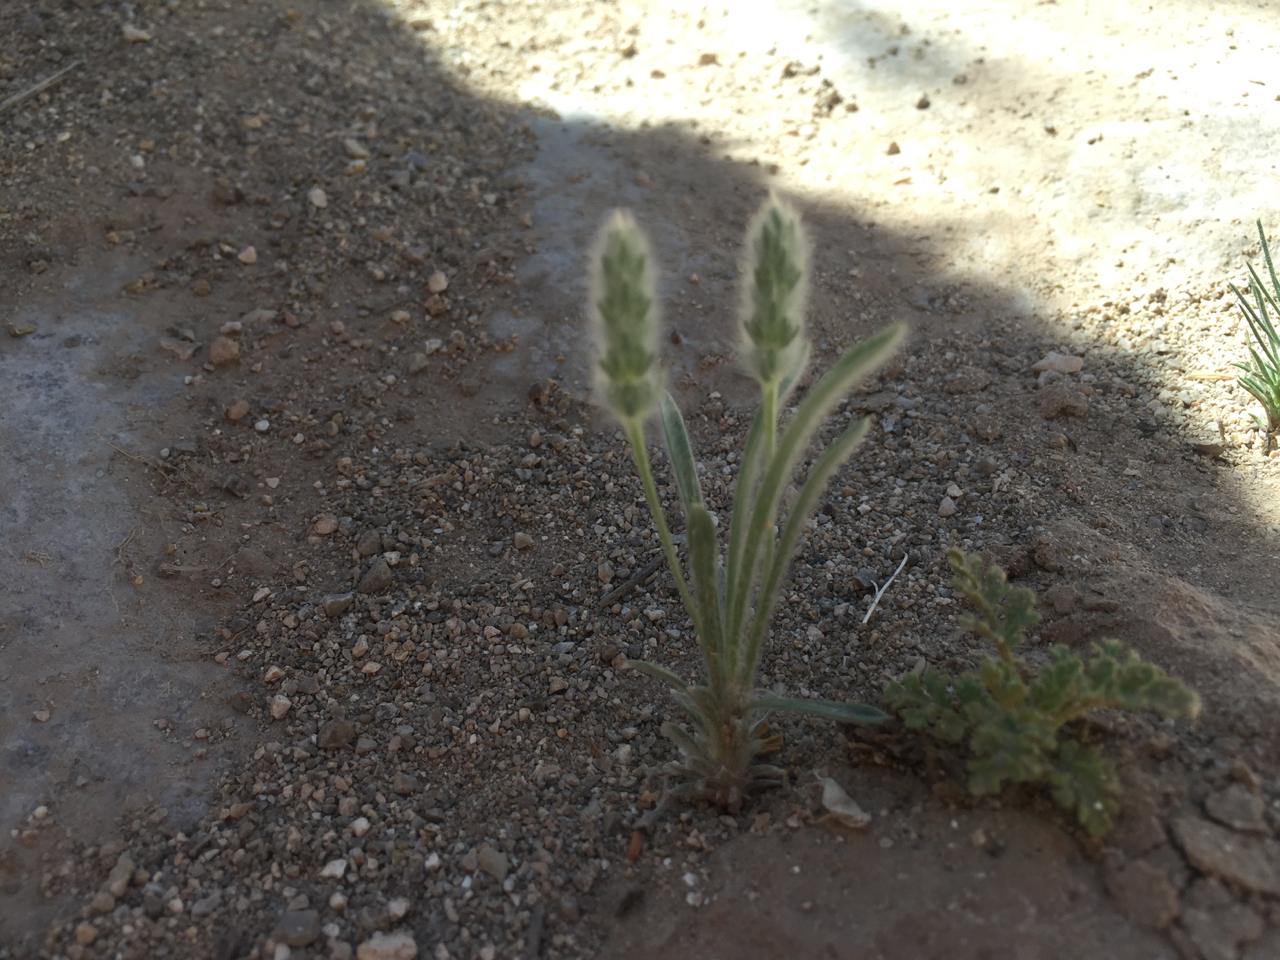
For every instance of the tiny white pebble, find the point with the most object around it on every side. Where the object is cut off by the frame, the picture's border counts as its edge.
(262, 426)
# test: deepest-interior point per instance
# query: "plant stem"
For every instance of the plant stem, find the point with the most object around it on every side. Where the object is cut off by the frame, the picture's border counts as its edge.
(635, 433)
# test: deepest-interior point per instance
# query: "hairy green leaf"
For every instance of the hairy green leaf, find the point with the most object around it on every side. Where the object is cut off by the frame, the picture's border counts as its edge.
(681, 452)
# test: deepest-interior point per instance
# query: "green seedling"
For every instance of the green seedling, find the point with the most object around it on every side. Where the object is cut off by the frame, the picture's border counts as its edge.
(730, 598)
(1011, 717)
(1262, 372)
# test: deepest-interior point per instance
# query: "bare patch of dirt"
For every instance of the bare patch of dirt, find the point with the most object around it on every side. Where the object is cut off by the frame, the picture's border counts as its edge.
(322, 568)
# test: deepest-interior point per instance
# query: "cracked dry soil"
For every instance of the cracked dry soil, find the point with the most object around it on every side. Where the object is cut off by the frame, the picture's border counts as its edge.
(321, 569)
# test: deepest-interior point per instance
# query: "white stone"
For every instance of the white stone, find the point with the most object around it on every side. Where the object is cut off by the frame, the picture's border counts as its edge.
(334, 869)
(398, 945)
(947, 508)
(1062, 363)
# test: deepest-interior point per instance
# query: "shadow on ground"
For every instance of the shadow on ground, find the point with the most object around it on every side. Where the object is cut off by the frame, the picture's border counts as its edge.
(95, 648)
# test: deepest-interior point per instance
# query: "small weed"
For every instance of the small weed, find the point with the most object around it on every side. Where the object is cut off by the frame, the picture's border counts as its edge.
(1011, 717)
(1262, 372)
(730, 599)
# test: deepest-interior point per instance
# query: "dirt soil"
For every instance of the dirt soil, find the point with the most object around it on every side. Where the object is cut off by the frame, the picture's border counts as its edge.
(321, 568)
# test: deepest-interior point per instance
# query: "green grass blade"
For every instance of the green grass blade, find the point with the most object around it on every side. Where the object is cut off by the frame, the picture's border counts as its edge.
(819, 476)
(1266, 256)
(684, 740)
(704, 561)
(679, 449)
(659, 673)
(743, 501)
(824, 395)
(828, 709)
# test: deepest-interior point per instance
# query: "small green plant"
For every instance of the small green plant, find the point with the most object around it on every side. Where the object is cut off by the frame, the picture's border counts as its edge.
(1011, 717)
(1262, 373)
(731, 599)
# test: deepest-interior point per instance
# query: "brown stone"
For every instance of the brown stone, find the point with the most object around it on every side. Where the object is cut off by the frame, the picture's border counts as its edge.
(336, 734)
(238, 410)
(1236, 807)
(404, 784)
(378, 579)
(1245, 861)
(1219, 933)
(224, 351)
(967, 380)
(987, 429)
(1144, 894)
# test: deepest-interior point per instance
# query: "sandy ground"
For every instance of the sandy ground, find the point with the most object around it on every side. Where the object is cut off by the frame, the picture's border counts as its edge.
(1010, 179)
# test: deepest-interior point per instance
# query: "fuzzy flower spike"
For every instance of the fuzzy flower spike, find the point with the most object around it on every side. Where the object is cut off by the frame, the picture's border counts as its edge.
(774, 270)
(625, 321)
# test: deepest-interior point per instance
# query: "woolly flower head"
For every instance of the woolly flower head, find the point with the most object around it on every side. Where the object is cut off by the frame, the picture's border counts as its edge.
(624, 320)
(775, 281)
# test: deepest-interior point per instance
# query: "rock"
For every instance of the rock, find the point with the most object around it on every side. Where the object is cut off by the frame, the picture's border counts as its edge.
(355, 150)
(20, 328)
(947, 508)
(1236, 807)
(348, 806)
(1144, 894)
(298, 928)
(279, 706)
(370, 542)
(335, 734)
(1268, 948)
(967, 380)
(378, 579)
(366, 745)
(468, 386)
(240, 701)
(206, 905)
(436, 305)
(470, 862)
(1218, 933)
(334, 870)
(336, 604)
(134, 34)
(226, 194)
(318, 198)
(987, 429)
(326, 525)
(1062, 598)
(1056, 400)
(182, 350)
(248, 256)
(438, 282)
(238, 410)
(1061, 363)
(874, 402)
(404, 784)
(398, 945)
(605, 572)
(397, 908)
(522, 541)
(557, 685)
(86, 933)
(118, 879)
(224, 351)
(493, 862)
(1245, 861)
(102, 902)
